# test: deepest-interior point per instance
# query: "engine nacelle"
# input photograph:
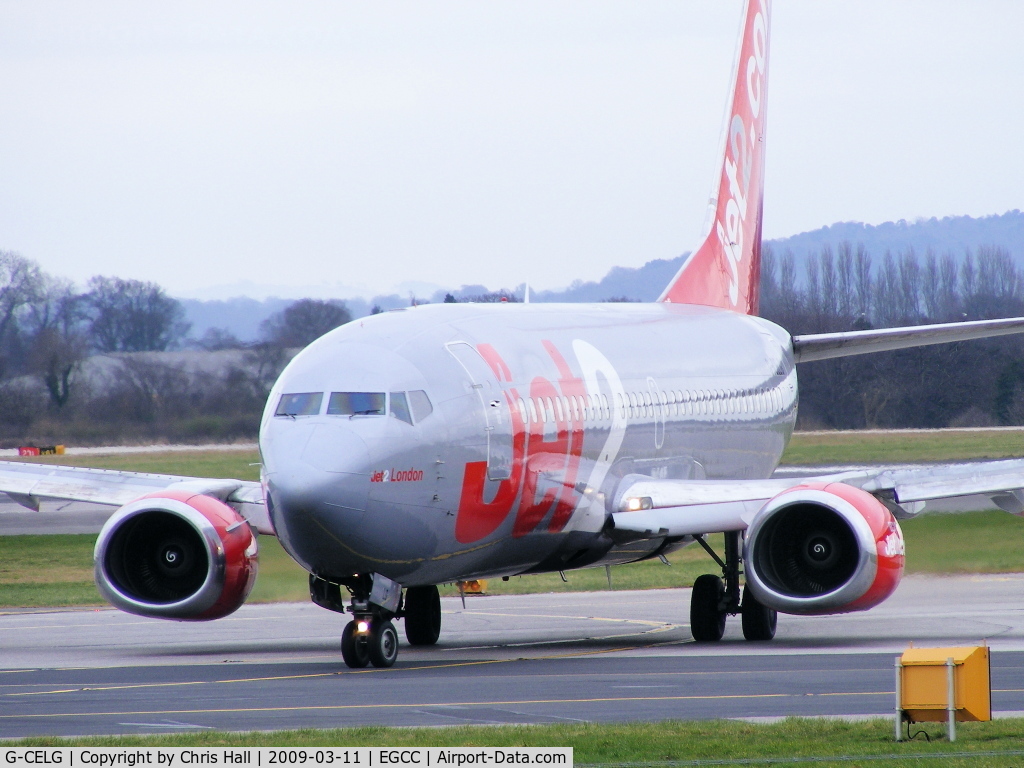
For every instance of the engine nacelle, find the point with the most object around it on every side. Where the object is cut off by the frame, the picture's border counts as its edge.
(176, 555)
(823, 548)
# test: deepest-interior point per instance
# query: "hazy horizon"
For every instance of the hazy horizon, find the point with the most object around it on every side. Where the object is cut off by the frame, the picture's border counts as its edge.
(369, 146)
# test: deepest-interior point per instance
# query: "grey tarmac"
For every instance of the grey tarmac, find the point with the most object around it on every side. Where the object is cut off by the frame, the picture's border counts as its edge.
(568, 657)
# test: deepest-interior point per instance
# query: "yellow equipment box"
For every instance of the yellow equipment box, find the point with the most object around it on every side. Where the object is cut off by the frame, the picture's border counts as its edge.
(924, 684)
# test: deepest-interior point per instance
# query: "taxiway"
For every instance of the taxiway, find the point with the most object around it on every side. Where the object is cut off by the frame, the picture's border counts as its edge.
(606, 656)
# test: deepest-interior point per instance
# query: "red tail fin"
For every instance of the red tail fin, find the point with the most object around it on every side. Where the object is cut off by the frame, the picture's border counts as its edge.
(724, 271)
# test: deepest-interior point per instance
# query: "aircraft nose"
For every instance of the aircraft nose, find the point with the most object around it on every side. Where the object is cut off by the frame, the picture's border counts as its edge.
(318, 480)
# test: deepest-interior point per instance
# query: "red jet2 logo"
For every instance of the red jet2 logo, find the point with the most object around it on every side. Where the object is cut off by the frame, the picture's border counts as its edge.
(532, 456)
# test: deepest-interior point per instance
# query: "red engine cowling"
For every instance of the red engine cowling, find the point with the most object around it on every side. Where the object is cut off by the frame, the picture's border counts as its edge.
(823, 548)
(176, 555)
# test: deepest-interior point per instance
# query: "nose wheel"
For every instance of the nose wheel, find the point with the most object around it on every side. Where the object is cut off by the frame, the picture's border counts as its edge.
(369, 641)
(371, 637)
(354, 648)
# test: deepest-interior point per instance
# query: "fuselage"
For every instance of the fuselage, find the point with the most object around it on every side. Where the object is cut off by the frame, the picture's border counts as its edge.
(447, 442)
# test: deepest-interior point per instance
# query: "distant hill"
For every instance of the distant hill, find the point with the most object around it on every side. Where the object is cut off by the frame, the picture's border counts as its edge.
(953, 234)
(956, 234)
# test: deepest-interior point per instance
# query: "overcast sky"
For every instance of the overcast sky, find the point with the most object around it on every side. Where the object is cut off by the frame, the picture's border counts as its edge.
(357, 145)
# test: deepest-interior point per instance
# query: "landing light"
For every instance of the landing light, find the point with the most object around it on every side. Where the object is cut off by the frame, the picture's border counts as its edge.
(636, 503)
(362, 627)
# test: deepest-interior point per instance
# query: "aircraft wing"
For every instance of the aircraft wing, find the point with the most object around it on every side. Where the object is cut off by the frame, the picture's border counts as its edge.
(646, 507)
(28, 484)
(825, 346)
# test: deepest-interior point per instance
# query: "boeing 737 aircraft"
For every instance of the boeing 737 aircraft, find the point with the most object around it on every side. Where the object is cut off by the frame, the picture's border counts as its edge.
(463, 441)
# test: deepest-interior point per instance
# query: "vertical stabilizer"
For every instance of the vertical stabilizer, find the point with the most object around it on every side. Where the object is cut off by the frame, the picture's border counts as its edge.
(724, 271)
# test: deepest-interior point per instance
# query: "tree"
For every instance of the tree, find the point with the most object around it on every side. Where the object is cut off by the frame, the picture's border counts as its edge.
(20, 282)
(494, 297)
(133, 316)
(216, 339)
(55, 358)
(304, 321)
(54, 323)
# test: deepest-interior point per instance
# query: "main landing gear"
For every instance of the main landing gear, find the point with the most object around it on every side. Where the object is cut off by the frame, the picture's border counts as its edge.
(715, 598)
(422, 615)
(371, 637)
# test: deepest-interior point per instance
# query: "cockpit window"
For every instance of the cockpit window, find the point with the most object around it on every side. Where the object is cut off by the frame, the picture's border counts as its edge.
(299, 404)
(356, 404)
(421, 407)
(400, 407)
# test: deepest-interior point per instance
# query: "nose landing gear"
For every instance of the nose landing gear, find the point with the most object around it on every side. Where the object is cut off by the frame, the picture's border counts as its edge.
(369, 641)
(371, 637)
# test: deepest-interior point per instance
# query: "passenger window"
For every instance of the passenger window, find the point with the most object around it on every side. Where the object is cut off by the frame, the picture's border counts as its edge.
(400, 407)
(533, 410)
(523, 413)
(299, 404)
(356, 404)
(559, 414)
(420, 405)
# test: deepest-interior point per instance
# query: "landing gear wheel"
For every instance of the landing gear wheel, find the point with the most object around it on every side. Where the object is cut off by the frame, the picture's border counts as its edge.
(353, 647)
(422, 615)
(707, 620)
(759, 621)
(382, 643)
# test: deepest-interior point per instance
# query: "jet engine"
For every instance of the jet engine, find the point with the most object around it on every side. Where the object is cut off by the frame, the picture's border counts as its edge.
(176, 555)
(823, 548)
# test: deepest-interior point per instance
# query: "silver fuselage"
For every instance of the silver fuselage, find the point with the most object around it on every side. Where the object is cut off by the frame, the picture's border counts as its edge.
(536, 414)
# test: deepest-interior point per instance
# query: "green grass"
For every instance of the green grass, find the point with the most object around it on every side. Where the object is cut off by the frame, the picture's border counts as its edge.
(241, 464)
(973, 542)
(686, 743)
(53, 571)
(900, 447)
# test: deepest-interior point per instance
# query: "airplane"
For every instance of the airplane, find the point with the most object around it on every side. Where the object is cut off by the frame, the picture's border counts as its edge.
(451, 442)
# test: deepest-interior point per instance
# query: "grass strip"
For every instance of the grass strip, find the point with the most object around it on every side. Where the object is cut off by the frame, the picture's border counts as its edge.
(902, 446)
(240, 464)
(56, 571)
(821, 742)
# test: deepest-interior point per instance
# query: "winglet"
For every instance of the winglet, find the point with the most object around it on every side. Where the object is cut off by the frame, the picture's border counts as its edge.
(725, 270)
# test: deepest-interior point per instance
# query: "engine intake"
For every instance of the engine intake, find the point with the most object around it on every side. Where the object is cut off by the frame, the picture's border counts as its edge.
(176, 555)
(823, 549)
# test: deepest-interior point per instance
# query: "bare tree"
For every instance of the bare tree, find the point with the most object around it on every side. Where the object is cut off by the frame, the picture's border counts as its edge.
(216, 339)
(54, 323)
(304, 321)
(909, 288)
(261, 366)
(931, 285)
(20, 281)
(494, 297)
(845, 281)
(949, 297)
(791, 300)
(56, 358)
(133, 316)
(863, 281)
